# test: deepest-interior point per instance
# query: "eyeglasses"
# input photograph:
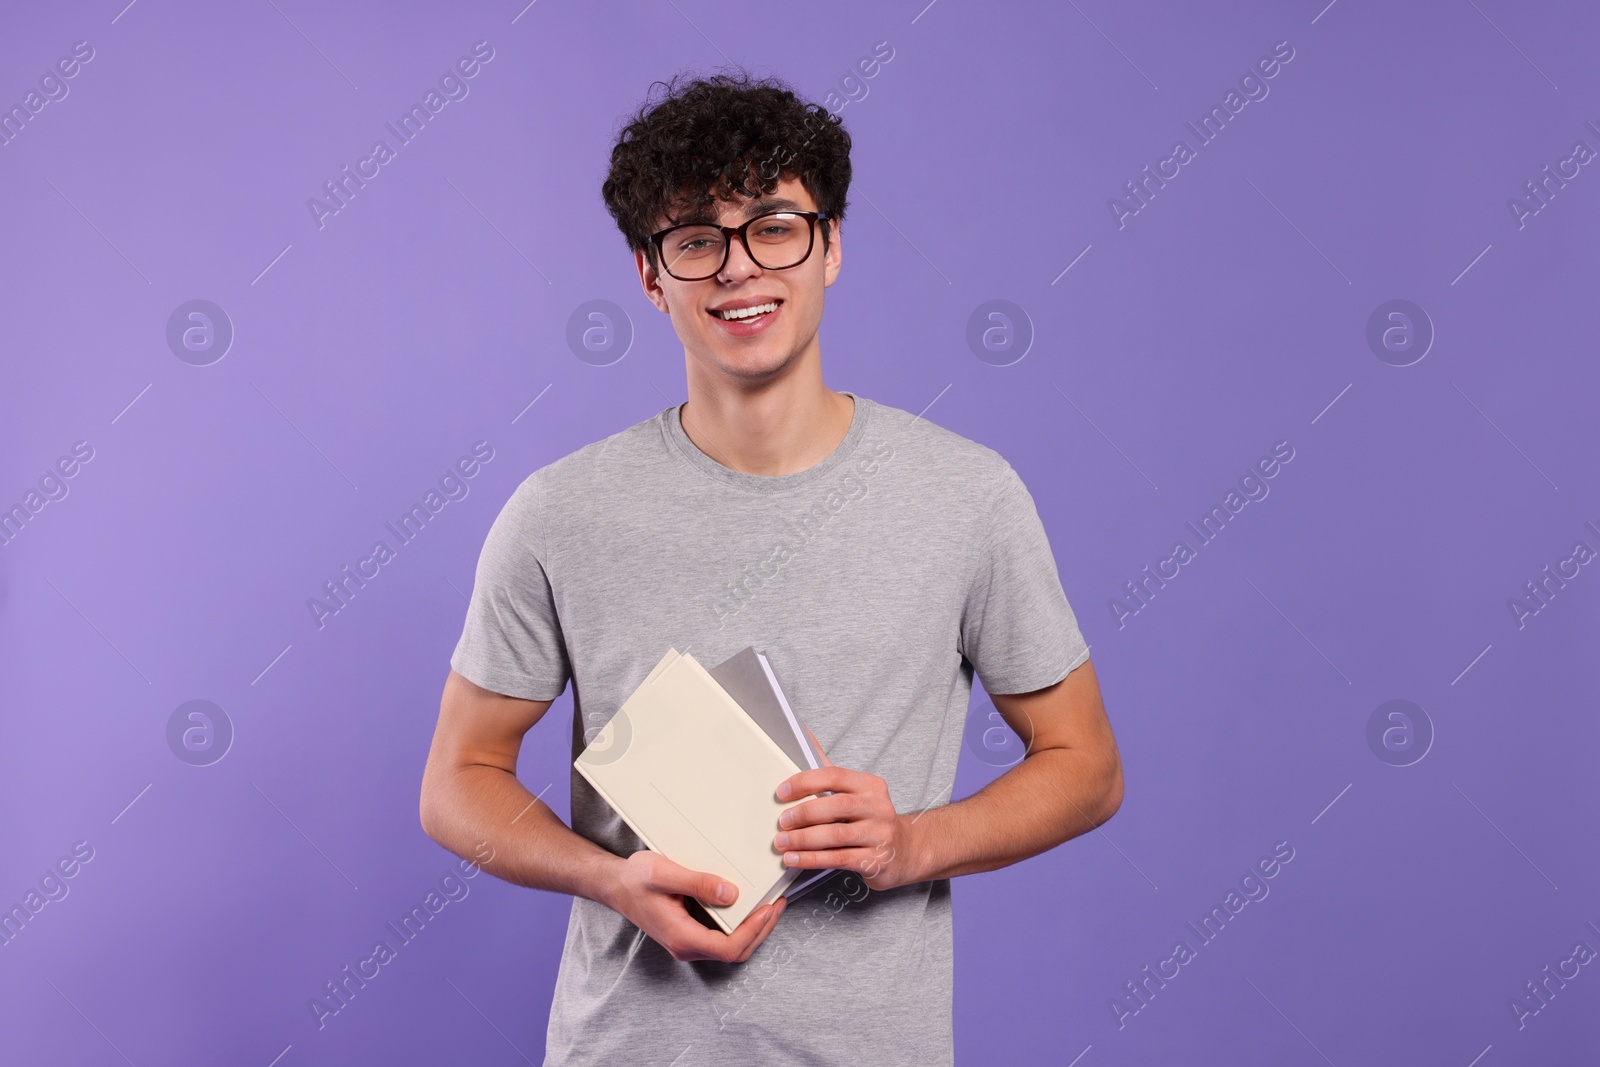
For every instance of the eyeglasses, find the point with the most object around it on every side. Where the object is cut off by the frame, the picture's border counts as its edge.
(774, 241)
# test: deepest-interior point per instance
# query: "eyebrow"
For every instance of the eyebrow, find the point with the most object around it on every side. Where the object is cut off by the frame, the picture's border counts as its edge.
(751, 210)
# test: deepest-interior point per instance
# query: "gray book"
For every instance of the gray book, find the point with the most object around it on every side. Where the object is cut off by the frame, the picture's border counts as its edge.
(749, 678)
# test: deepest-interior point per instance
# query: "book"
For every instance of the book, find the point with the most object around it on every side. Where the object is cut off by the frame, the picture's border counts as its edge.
(694, 776)
(749, 678)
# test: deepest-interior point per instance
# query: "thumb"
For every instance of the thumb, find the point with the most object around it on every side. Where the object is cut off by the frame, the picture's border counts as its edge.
(667, 876)
(715, 890)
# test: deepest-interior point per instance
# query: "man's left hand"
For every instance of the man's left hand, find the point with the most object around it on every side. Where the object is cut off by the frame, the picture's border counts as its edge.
(855, 828)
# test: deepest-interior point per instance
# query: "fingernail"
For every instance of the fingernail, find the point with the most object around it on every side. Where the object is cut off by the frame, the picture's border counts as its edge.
(782, 841)
(791, 858)
(724, 892)
(786, 820)
(783, 791)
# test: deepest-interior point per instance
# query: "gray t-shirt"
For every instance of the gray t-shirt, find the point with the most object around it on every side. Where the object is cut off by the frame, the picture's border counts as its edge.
(876, 582)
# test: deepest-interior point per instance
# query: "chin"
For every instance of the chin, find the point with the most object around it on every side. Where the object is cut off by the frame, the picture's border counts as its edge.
(754, 363)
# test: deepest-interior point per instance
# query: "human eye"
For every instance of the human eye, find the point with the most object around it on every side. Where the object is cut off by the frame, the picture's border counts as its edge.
(695, 241)
(775, 226)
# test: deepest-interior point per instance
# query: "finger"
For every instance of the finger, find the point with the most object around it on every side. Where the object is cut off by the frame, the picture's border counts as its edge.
(707, 888)
(749, 931)
(695, 942)
(817, 745)
(680, 933)
(865, 860)
(836, 807)
(828, 835)
(746, 936)
(819, 780)
(774, 910)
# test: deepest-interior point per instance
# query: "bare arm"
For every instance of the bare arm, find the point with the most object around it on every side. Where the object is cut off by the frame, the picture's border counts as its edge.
(470, 794)
(471, 797)
(1069, 782)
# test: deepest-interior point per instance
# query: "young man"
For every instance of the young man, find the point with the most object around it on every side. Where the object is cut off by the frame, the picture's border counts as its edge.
(877, 559)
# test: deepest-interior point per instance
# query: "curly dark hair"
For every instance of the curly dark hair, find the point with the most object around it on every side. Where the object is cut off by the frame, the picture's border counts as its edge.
(709, 138)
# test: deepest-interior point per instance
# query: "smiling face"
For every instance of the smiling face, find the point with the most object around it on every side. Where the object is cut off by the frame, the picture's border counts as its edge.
(765, 346)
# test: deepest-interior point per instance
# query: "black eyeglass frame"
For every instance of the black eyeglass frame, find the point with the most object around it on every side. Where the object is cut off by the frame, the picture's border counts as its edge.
(657, 240)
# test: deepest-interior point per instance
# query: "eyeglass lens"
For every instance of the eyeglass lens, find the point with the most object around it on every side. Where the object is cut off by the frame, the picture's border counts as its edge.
(777, 241)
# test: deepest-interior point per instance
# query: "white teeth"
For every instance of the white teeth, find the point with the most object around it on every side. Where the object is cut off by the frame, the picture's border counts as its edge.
(745, 313)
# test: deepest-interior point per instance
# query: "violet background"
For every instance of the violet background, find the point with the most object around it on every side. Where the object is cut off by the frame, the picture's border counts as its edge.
(1229, 314)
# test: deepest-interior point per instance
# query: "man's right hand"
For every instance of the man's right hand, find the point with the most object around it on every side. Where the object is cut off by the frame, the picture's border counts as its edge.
(470, 792)
(649, 892)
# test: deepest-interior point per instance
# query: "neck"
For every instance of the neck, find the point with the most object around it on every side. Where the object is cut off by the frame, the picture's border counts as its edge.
(779, 427)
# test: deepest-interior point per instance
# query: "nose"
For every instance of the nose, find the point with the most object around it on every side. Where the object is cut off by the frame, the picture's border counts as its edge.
(739, 265)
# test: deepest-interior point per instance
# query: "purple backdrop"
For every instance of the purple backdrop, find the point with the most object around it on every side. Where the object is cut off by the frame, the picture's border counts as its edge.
(238, 342)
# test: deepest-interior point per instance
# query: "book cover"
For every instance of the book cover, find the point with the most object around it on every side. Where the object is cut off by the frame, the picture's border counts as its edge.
(807, 878)
(748, 681)
(693, 774)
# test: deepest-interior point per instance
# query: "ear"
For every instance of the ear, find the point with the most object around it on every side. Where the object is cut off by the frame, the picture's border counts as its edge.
(834, 259)
(651, 282)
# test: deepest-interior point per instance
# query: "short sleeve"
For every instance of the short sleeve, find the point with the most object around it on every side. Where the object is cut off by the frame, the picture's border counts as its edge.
(1017, 629)
(512, 642)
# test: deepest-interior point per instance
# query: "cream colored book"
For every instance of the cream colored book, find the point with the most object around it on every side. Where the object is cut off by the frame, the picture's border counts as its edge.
(695, 777)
